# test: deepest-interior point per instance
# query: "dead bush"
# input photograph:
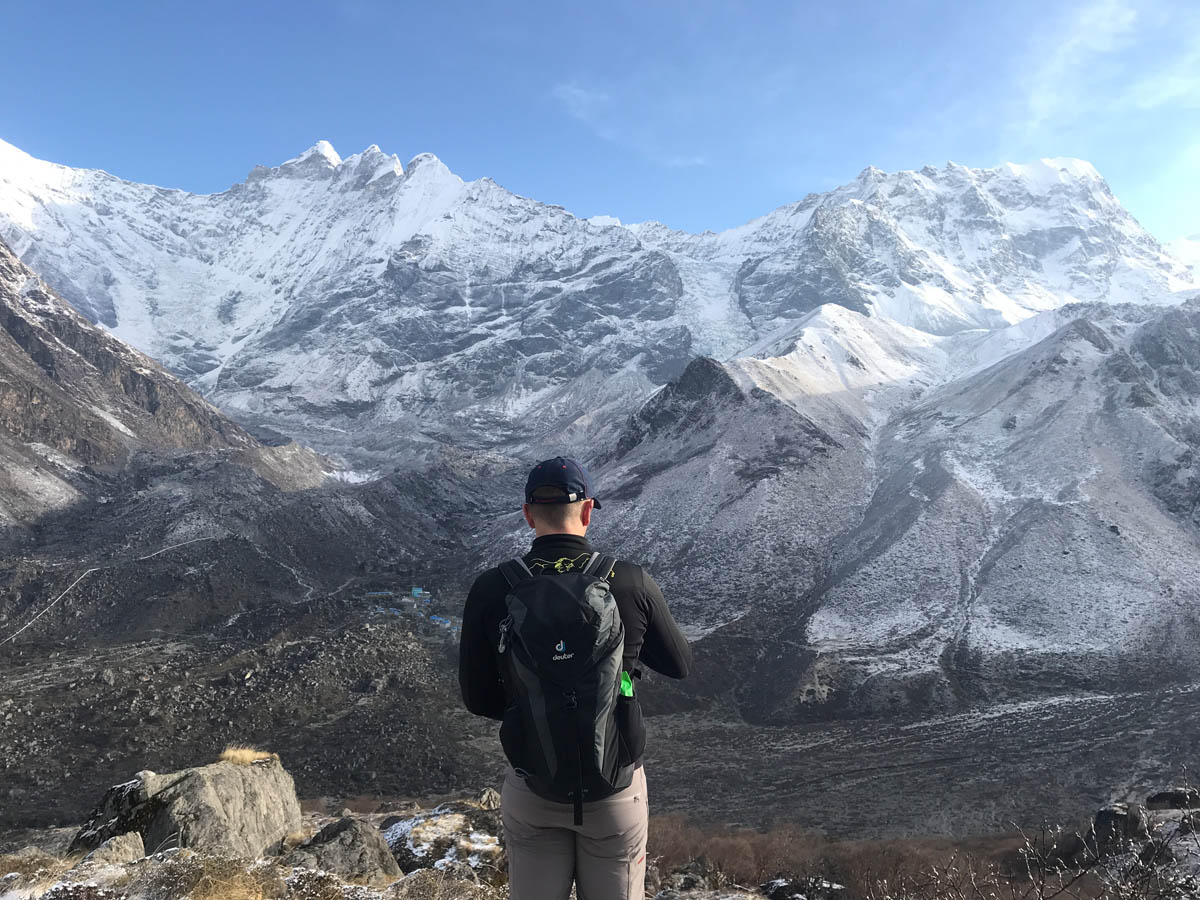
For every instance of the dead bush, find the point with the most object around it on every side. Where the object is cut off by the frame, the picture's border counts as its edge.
(742, 855)
(202, 877)
(35, 868)
(30, 862)
(430, 884)
(305, 884)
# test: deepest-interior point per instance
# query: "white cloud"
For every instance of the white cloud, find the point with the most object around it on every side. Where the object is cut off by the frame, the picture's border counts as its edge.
(1075, 58)
(596, 109)
(1177, 83)
(580, 102)
(683, 162)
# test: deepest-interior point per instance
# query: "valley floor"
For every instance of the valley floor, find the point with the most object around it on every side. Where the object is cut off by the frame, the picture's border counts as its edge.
(979, 772)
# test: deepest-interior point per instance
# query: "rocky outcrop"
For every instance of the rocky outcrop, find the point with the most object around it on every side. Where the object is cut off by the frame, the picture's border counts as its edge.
(455, 834)
(241, 810)
(351, 849)
(1174, 798)
(1118, 827)
(122, 848)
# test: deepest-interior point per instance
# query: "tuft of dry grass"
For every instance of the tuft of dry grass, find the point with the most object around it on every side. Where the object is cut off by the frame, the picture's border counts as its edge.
(246, 756)
(305, 884)
(35, 868)
(430, 884)
(202, 877)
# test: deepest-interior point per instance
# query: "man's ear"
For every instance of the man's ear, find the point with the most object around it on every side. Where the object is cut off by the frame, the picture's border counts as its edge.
(585, 513)
(528, 517)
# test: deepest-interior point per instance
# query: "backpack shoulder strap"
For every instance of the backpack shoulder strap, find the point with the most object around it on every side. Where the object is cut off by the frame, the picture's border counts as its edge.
(600, 566)
(515, 571)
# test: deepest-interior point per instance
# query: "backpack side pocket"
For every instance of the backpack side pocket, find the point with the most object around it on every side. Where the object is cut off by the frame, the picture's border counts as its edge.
(631, 730)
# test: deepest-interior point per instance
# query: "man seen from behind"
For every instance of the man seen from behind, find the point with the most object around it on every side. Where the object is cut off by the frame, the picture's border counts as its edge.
(550, 646)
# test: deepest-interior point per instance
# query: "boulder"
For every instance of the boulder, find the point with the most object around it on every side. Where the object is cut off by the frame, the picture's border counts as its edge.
(456, 832)
(350, 848)
(699, 874)
(123, 848)
(1117, 826)
(811, 888)
(1175, 798)
(226, 807)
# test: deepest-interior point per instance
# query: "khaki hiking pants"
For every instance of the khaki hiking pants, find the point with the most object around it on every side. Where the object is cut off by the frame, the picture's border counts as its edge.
(605, 856)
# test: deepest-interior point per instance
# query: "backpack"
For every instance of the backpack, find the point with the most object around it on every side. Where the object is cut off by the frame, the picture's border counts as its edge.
(560, 654)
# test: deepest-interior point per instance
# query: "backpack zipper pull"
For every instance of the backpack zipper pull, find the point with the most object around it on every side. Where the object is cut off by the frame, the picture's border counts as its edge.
(505, 628)
(572, 702)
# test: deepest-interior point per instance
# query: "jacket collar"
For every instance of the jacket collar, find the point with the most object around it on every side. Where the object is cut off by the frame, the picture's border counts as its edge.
(560, 542)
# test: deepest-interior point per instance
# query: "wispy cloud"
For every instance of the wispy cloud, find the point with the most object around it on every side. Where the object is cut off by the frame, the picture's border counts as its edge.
(1075, 58)
(582, 103)
(1177, 83)
(627, 123)
(684, 162)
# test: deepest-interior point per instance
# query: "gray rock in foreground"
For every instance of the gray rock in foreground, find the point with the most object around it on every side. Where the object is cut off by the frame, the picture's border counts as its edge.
(120, 849)
(241, 810)
(350, 848)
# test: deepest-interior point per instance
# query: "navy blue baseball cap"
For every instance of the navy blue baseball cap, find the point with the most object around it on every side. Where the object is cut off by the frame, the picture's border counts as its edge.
(570, 477)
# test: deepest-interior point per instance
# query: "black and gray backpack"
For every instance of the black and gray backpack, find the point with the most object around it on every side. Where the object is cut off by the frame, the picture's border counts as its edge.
(560, 654)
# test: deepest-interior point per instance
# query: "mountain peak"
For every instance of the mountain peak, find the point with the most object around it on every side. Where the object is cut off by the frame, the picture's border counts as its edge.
(1049, 170)
(425, 168)
(425, 161)
(321, 154)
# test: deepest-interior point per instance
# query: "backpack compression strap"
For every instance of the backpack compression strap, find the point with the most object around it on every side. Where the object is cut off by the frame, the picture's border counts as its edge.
(515, 571)
(600, 566)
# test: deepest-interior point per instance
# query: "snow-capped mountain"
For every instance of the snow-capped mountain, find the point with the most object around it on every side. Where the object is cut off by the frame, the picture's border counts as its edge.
(74, 400)
(1025, 531)
(364, 304)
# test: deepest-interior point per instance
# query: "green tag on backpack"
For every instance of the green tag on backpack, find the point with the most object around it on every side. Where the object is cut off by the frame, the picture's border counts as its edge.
(626, 685)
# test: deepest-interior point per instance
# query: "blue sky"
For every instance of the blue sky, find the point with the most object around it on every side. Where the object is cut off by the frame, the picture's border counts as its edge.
(700, 114)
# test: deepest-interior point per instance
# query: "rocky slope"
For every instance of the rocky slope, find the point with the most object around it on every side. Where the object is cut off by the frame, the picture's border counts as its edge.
(75, 401)
(1024, 531)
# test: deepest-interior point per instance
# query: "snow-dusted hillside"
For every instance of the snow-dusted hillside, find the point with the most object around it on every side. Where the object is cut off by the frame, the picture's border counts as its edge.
(74, 400)
(359, 302)
(1027, 529)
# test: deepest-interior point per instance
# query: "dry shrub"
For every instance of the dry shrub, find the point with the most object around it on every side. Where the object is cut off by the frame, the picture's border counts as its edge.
(747, 856)
(430, 884)
(305, 884)
(29, 863)
(862, 866)
(36, 868)
(77, 891)
(742, 855)
(245, 756)
(202, 877)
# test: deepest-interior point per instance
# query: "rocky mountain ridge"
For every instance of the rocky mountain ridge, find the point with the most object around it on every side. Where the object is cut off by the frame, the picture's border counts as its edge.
(75, 401)
(354, 301)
